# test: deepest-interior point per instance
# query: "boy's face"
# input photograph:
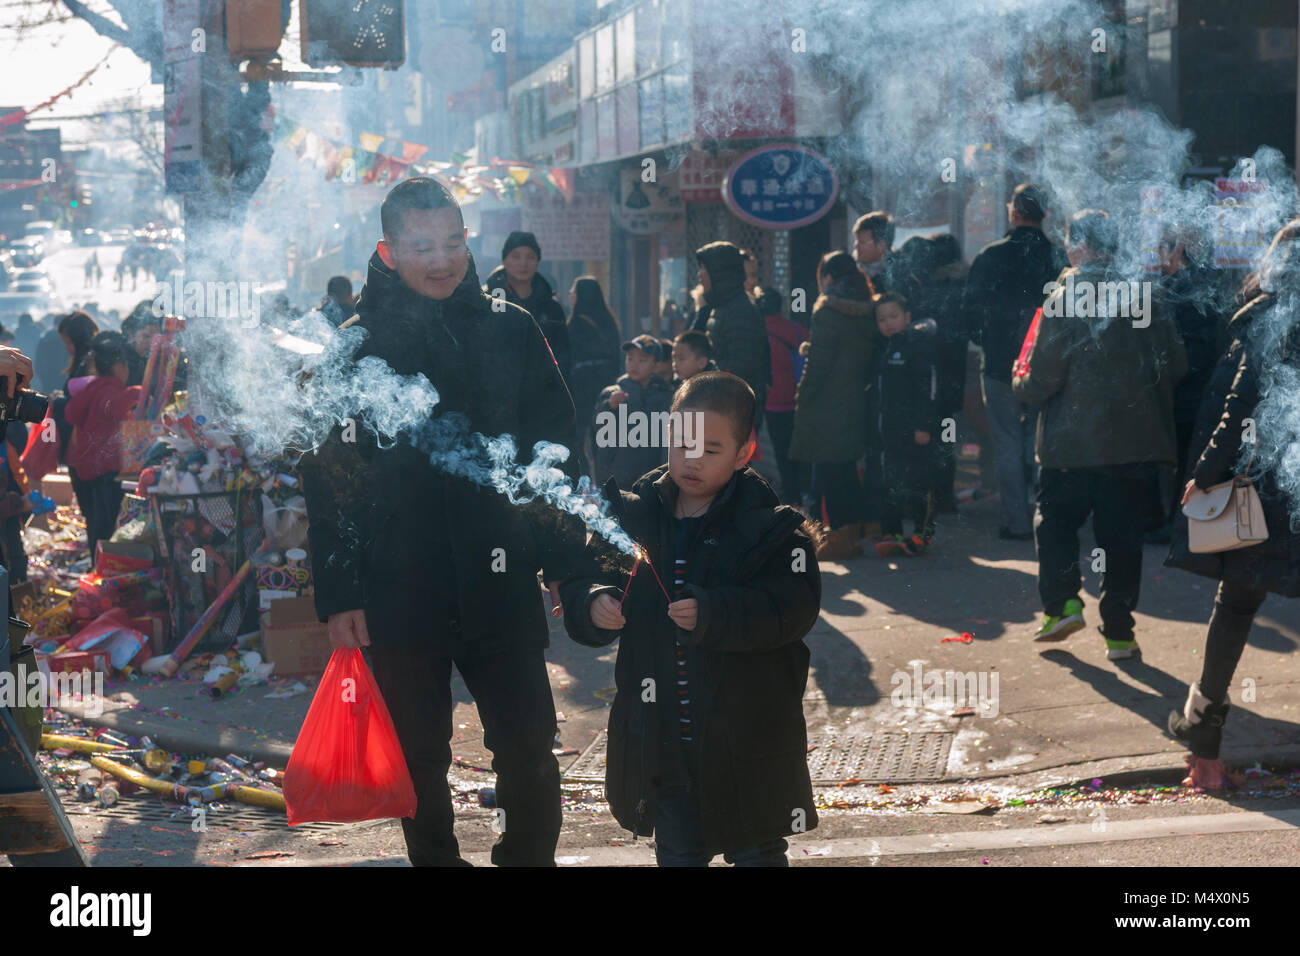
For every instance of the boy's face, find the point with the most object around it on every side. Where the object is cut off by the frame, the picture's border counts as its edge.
(891, 319)
(703, 475)
(429, 252)
(640, 365)
(687, 361)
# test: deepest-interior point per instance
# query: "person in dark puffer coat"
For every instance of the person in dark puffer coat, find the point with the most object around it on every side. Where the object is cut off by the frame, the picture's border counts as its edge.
(733, 321)
(520, 257)
(1264, 353)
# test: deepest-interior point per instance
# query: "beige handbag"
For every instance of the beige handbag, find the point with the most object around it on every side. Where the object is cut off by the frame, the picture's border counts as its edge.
(1225, 516)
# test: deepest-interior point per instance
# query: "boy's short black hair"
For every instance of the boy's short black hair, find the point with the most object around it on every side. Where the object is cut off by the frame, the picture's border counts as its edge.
(109, 348)
(419, 192)
(697, 341)
(896, 297)
(879, 223)
(723, 393)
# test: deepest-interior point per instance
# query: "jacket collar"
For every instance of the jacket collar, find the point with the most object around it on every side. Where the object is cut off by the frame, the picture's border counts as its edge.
(540, 294)
(386, 295)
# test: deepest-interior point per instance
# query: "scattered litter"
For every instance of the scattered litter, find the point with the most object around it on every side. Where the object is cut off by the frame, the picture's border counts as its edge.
(284, 693)
(964, 638)
(1053, 818)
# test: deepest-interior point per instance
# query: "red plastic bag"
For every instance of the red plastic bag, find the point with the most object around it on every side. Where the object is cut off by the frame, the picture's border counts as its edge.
(347, 764)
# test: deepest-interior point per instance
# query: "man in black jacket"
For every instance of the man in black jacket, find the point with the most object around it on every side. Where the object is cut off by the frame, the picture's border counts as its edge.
(520, 282)
(427, 568)
(1004, 289)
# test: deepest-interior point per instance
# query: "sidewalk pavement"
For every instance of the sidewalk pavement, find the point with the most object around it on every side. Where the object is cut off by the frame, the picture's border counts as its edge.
(1049, 712)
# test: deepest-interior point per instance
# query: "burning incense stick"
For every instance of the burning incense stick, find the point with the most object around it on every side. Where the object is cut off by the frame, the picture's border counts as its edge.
(642, 554)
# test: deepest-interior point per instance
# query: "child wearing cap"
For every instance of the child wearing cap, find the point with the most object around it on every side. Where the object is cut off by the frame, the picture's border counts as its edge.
(626, 438)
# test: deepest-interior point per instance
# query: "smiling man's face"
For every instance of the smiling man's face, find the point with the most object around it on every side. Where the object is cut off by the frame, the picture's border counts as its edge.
(429, 252)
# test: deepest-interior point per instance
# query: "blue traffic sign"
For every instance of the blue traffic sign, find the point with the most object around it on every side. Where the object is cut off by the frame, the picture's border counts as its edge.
(782, 186)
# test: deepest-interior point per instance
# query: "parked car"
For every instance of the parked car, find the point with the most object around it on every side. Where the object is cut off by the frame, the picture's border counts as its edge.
(42, 229)
(27, 251)
(37, 278)
(14, 304)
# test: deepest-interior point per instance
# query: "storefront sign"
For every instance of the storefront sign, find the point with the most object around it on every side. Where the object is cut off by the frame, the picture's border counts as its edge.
(780, 187)
(647, 208)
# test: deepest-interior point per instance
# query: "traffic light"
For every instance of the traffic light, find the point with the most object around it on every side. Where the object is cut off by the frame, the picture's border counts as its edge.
(352, 32)
(253, 28)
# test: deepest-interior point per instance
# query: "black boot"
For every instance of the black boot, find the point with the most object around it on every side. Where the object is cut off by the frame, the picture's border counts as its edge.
(1200, 725)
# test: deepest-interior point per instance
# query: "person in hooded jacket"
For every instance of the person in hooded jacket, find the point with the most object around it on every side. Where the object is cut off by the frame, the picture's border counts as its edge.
(518, 279)
(594, 342)
(714, 759)
(830, 415)
(732, 320)
(1105, 384)
(426, 567)
(1242, 402)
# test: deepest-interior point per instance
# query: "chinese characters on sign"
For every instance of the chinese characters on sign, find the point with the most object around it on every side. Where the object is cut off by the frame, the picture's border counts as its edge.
(701, 175)
(780, 187)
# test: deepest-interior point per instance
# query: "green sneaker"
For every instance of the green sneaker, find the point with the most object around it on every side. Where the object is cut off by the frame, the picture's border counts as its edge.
(1060, 627)
(1121, 650)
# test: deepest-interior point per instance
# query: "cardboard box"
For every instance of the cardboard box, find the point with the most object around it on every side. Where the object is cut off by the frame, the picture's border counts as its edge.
(58, 487)
(294, 640)
(122, 557)
(72, 661)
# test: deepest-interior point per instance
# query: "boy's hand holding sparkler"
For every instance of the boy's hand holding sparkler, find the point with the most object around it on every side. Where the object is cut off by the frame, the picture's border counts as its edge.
(605, 613)
(684, 612)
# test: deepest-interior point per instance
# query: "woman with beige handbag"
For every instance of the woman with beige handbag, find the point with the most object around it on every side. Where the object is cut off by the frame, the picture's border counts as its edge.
(1235, 523)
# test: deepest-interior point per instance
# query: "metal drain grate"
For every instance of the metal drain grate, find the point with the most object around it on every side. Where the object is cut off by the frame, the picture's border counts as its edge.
(590, 764)
(879, 758)
(139, 809)
(870, 758)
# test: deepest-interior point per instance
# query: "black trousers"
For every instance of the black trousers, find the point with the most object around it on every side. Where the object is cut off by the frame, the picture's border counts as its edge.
(909, 474)
(1114, 496)
(1234, 612)
(836, 483)
(794, 474)
(514, 701)
(99, 499)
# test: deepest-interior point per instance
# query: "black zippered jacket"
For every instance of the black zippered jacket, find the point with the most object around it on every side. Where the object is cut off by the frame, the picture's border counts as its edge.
(432, 557)
(754, 572)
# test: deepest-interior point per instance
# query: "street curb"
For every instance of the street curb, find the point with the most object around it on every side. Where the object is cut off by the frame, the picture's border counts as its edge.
(1140, 768)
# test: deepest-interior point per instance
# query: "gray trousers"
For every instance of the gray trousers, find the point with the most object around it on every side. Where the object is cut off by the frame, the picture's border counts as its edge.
(1012, 426)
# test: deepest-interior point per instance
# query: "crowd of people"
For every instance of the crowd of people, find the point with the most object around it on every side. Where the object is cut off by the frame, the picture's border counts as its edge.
(1090, 415)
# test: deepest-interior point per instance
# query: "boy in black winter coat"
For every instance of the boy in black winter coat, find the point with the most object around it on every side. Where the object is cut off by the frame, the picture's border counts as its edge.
(627, 440)
(906, 380)
(707, 740)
